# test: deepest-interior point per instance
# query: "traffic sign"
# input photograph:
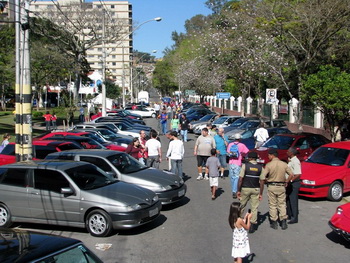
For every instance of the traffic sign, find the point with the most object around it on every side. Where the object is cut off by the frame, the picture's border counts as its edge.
(190, 92)
(271, 96)
(223, 95)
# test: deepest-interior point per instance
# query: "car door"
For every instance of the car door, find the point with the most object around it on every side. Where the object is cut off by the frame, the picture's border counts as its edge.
(14, 191)
(46, 201)
(303, 147)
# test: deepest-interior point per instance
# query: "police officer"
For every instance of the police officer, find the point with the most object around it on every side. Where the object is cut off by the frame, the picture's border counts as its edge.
(276, 181)
(293, 186)
(250, 187)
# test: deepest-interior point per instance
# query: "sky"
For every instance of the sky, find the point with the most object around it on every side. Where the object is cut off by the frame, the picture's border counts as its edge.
(157, 35)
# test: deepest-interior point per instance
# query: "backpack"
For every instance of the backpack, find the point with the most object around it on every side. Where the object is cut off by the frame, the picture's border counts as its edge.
(234, 151)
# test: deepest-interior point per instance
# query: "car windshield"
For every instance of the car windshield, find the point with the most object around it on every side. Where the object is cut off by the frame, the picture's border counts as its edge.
(88, 177)
(238, 123)
(125, 163)
(279, 142)
(329, 156)
(108, 135)
(94, 137)
(206, 117)
(249, 124)
(221, 120)
(248, 134)
(9, 149)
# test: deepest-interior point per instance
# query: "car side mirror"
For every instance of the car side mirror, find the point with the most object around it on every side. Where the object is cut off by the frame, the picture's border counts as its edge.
(67, 191)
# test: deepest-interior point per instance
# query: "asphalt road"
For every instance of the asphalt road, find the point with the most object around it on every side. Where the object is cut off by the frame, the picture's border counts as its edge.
(197, 230)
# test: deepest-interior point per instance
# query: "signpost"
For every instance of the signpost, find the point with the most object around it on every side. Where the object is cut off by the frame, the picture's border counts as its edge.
(223, 95)
(190, 92)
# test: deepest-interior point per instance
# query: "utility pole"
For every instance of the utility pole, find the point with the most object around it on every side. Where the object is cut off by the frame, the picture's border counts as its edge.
(104, 93)
(23, 91)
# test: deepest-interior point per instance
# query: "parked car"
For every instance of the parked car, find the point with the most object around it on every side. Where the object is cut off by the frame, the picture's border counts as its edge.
(202, 121)
(340, 221)
(225, 121)
(237, 123)
(124, 113)
(197, 114)
(74, 194)
(84, 142)
(143, 111)
(326, 173)
(248, 135)
(306, 143)
(169, 187)
(126, 124)
(23, 246)
(106, 125)
(109, 118)
(40, 150)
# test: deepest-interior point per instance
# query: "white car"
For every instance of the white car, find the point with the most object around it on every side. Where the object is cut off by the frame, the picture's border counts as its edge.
(143, 111)
(108, 125)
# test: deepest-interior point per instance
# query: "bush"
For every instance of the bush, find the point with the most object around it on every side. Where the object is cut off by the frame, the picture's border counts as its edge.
(37, 114)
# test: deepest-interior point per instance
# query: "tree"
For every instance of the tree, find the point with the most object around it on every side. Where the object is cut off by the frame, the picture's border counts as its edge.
(329, 90)
(112, 90)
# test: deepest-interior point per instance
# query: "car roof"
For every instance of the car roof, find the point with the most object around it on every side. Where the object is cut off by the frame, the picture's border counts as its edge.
(91, 152)
(342, 145)
(53, 164)
(25, 246)
(49, 142)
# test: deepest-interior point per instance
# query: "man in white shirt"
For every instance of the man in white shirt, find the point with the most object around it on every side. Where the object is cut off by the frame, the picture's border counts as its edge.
(176, 152)
(260, 135)
(153, 147)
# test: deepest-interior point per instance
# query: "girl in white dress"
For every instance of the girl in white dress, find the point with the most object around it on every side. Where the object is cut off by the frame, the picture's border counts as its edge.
(240, 244)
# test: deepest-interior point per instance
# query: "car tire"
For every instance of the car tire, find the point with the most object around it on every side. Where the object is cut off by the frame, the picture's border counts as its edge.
(153, 115)
(335, 192)
(5, 216)
(99, 223)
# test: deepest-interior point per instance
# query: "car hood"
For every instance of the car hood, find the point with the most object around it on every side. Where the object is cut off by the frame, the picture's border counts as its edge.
(315, 171)
(156, 176)
(120, 193)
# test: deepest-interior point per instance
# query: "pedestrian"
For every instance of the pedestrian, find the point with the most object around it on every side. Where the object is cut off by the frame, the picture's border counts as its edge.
(236, 151)
(175, 123)
(134, 149)
(240, 242)
(260, 135)
(54, 121)
(81, 116)
(153, 146)
(251, 187)
(212, 169)
(221, 141)
(163, 118)
(156, 107)
(144, 152)
(184, 126)
(293, 186)
(176, 153)
(275, 172)
(212, 129)
(202, 149)
(5, 141)
(48, 118)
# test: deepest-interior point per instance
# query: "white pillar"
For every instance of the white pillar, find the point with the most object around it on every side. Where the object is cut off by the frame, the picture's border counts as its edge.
(293, 108)
(211, 101)
(275, 109)
(249, 105)
(239, 105)
(318, 118)
(220, 103)
(232, 101)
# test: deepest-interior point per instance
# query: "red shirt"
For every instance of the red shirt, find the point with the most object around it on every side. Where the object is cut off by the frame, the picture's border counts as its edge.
(47, 117)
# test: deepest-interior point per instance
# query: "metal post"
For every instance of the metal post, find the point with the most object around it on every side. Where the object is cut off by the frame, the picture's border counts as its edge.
(104, 95)
(123, 79)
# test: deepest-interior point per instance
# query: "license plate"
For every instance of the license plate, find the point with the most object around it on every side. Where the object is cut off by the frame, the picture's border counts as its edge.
(181, 193)
(153, 212)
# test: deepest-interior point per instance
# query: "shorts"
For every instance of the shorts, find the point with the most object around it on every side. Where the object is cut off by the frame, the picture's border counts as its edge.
(214, 181)
(223, 161)
(202, 160)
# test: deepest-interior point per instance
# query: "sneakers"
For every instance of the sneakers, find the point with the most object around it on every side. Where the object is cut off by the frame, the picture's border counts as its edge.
(284, 225)
(199, 177)
(273, 225)
(234, 195)
(206, 177)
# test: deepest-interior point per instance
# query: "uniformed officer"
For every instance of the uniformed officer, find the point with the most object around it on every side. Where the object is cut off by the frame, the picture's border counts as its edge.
(250, 187)
(276, 181)
(293, 186)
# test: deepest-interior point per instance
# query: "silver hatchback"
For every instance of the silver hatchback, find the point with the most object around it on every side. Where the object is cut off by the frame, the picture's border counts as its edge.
(77, 194)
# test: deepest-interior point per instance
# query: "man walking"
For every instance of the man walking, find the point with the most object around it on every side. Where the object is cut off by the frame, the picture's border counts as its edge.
(221, 142)
(236, 151)
(260, 135)
(184, 126)
(250, 187)
(176, 152)
(153, 147)
(293, 186)
(276, 188)
(202, 149)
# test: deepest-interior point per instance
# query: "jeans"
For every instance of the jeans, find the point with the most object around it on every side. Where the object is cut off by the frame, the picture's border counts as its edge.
(164, 129)
(153, 161)
(48, 128)
(234, 176)
(176, 167)
(184, 135)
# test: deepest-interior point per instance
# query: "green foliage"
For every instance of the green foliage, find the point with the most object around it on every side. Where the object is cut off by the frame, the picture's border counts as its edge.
(113, 91)
(37, 115)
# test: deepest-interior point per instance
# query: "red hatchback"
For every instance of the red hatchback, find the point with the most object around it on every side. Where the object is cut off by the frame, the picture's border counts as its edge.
(340, 221)
(306, 143)
(326, 172)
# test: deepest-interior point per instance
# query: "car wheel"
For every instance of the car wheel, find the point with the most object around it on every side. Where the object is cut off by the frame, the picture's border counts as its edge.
(99, 223)
(335, 192)
(5, 216)
(153, 115)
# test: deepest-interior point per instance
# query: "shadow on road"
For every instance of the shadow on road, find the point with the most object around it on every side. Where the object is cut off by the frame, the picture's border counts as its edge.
(144, 228)
(185, 200)
(262, 218)
(338, 239)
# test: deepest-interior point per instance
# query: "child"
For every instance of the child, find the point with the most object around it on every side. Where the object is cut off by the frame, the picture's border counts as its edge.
(240, 244)
(175, 123)
(212, 169)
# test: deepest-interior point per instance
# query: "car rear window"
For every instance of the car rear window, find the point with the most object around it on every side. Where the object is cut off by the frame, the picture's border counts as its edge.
(9, 149)
(14, 177)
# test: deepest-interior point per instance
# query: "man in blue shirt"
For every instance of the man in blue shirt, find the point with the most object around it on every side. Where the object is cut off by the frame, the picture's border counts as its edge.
(221, 142)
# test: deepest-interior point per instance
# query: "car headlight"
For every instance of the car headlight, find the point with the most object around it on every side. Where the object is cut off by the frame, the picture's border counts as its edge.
(309, 182)
(182, 181)
(339, 211)
(155, 198)
(130, 208)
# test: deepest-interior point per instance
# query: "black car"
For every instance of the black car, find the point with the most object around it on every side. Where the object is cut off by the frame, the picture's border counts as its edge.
(197, 114)
(23, 246)
(127, 122)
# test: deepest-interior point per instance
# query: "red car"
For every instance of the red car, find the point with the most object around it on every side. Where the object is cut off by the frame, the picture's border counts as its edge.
(306, 143)
(108, 145)
(326, 172)
(40, 150)
(340, 221)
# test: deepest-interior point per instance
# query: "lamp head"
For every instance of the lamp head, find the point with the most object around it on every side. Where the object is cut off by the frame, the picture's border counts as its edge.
(158, 19)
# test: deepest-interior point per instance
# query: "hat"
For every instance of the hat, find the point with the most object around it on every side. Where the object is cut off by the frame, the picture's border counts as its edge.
(238, 136)
(273, 151)
(253, 155)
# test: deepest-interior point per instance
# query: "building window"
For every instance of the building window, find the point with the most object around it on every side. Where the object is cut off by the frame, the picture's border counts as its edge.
(114, 63)
(99, 49)
(99, 6)
(113, 49)
(112, 6)
(113, 56)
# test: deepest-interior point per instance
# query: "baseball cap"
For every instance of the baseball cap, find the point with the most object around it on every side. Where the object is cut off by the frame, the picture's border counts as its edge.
(238, 136)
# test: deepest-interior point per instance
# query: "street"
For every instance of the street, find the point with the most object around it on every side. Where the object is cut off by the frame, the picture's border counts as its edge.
(196, 229)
